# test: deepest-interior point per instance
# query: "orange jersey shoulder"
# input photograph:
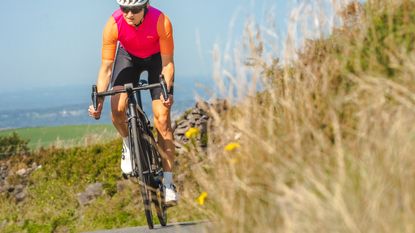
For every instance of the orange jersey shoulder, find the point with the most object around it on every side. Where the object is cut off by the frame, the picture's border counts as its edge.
(109, 40)
(165, 32)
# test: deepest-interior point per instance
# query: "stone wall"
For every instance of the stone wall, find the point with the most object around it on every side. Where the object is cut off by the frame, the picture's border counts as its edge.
(16, 189)
(197, 117)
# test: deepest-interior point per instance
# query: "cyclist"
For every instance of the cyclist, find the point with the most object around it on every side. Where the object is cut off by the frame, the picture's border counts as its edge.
(144, 37)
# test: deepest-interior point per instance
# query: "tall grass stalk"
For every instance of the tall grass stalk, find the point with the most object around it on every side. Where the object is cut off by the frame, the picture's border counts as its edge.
(327, 145)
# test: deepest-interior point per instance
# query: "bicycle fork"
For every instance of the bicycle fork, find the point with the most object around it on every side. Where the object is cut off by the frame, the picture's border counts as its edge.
(135, 148)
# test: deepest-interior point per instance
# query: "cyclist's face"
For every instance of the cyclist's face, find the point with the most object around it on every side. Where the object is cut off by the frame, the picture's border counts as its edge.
(133, 19)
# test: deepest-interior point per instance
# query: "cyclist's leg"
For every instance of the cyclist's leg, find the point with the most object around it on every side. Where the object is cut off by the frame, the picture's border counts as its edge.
(161, 114)
(118, 105)
(124, 72)
(162, 123)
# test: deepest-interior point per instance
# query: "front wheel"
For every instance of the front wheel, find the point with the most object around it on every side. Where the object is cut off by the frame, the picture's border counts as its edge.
(161, 213)
(146, 194)
(158, 199)
(143, 180)
(157, 194)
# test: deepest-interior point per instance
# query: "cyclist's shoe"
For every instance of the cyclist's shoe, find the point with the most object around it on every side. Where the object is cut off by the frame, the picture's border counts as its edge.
(170, 195)
(126, 162)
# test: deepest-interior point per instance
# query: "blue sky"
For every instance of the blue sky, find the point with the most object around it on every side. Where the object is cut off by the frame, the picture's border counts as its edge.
(47, 43)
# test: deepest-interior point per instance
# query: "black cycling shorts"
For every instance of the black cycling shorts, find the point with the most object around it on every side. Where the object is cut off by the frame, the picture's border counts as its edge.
(128, 68)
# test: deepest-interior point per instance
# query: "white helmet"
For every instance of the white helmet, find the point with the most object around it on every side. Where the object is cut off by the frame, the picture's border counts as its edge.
(128, 3)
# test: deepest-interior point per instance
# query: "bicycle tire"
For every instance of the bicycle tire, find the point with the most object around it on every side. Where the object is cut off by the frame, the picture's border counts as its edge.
(146, 194)
(158, 201)
(157, 195)
(143, 180)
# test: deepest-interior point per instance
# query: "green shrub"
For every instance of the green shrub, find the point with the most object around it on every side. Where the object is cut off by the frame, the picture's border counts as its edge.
(13, 145)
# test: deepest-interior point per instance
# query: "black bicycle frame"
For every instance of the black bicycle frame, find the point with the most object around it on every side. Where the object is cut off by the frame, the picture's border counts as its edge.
(135, 113)
(142, 144)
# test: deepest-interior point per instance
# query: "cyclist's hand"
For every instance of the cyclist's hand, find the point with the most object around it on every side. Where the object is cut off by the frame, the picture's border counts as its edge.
(168, 102)
(95, 113)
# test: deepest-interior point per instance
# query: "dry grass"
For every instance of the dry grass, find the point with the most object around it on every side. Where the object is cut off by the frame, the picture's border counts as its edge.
(328, 144)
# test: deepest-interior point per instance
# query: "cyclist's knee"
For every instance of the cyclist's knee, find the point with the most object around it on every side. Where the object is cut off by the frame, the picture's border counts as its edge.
(161, 118)
(162, 123)
(118, 105)
(118, 115)
(164, 133)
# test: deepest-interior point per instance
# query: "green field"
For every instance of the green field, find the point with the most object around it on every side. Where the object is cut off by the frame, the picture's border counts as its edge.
(64, 136)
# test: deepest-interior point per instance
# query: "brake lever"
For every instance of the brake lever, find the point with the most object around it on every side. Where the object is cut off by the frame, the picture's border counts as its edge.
(163, 85)
(94, 97)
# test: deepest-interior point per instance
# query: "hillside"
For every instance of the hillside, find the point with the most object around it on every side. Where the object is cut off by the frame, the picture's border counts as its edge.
(68, 188)
(73, 190)
(63, 136)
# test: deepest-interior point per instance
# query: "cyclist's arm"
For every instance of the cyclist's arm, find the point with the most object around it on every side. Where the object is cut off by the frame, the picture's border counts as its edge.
(104, 75)
(168, 69)
(109, 47)
(165, 31)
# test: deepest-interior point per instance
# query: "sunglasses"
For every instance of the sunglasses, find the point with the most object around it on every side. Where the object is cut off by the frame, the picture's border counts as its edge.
(133, 9)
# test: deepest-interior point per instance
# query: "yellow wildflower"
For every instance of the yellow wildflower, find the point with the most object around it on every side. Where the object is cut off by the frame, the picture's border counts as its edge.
(192, 133)
(201, 199)
(232, 146)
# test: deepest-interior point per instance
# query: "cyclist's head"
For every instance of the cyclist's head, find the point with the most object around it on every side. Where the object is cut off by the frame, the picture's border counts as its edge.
(133, 10)
(132, 3)
(133, 6)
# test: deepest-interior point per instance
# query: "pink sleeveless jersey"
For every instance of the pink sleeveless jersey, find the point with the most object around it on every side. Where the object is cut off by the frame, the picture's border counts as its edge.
(142, 41)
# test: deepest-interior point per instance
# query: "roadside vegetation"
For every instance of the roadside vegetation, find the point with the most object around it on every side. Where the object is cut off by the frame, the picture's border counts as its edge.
(53, 188)
(13, 144)
(328, 144)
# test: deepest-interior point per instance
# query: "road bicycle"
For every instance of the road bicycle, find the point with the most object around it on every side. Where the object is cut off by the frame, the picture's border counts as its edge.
(145, 156)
